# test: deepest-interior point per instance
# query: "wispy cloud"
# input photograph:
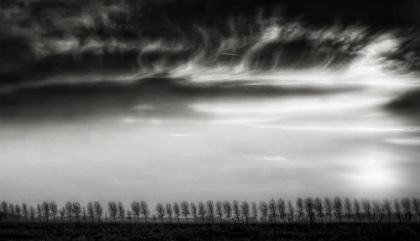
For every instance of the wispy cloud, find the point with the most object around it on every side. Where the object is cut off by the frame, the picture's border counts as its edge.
(407, 141)
(414, 129)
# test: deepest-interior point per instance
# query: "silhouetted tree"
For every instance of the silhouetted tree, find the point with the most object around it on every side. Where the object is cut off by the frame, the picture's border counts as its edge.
(90, 211)
(135, 206)
(319, 208)
(245, 210)
(281, 207)
(309, 208)
(201, 210)
(386, 205)
(227, 209)
(46, 210)
(254, 211)
(62, 212)
(77, 209)
(185, 209)
(328, 207)
(291, 210)
(69, 209)
(17, 211)
(416, 207)
(32, 213)
(263, 206)
(129, 216)
(194, 211)
(144, 209)
(367, 208)
(406, 205)
(25, 211)
(12, 211)
(397, 208)
(357, 209)
(348, 207)
(39, 211)
(160, 211)
(177, 210)
(338, 207)
(377, 210)
(169, 211)
(299, 208)
(54, 209)
(121, 210)
(98, 210)
(272, 210)
(235, 209)
(112, 209)
(4, 207)
(219, 210)
(210, 209)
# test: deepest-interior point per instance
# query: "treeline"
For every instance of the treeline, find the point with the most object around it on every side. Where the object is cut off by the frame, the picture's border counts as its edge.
(274, 211)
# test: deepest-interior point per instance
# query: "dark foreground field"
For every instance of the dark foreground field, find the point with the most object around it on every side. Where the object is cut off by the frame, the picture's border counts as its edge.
(67, 231)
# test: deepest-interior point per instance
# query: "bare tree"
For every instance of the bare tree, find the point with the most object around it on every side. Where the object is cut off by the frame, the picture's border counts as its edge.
(39, 211)
(245, 210)
(416, 207)
(69, 209)
(90, 211)
(194, 211)
(309, 208)
(177, 210)
(160, 211)
(397, 208)
(263, 206)
(357, 209)
(25, 211)
(169, 211)
(121, 210)
(406, 205)
(236, 211)
(12, 211)
(129, 216)
(62, 212)
(291, 210)
(227, 209)
(386, 205)
(144, 209)
(254, 211)
(185, 209)
(4, 207)
(210, 209)
(299, 208)
(338, 207)
(32, 213)
(201, 210)
(272, 210)
(219, 210)
(17, 211)
(46, 210)
(84, 214)
(281, 207)
(54, 209)
(319, 208)
(112, 209)
(77, 209)
(328, 207)
(378, 210)
(135, 206)
(98, 210)
(367, 208)
(348, 207)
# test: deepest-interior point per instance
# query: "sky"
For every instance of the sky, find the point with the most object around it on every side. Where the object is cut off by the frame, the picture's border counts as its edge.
(283, 109)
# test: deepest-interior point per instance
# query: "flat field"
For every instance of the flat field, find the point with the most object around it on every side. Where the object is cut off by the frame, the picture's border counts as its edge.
(156, 231)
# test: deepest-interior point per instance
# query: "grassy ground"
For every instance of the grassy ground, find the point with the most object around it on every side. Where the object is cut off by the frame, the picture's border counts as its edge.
(154, 231)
